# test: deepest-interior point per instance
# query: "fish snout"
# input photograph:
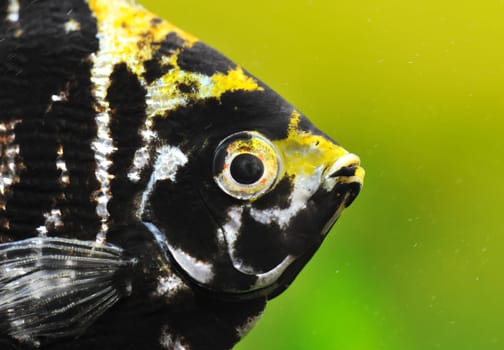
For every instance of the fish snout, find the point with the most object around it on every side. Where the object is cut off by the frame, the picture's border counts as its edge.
(345, 177)
(346, 169)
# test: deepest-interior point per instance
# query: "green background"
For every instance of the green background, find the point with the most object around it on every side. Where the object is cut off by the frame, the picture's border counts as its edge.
(416, 89)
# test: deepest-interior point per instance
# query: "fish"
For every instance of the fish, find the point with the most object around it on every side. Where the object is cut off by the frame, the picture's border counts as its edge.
(153, 193)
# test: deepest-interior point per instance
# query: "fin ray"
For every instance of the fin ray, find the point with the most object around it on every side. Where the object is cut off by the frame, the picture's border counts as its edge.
(56, 287)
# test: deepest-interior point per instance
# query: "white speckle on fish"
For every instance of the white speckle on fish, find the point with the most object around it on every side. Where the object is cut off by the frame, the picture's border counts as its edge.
(169, 160)
(13, 11)
(304, 188)
(171, 342)
(72, 26)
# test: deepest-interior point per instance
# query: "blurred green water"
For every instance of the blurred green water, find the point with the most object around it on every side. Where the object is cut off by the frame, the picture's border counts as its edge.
(416, 89)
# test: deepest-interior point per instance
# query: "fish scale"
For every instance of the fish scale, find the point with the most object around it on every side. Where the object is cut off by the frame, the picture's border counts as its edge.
(153, 194)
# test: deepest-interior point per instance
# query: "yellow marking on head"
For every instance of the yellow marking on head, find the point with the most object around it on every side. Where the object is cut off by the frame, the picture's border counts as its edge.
(234, 80)
(305, 153)
(294, 121)
(167, 96)
(134, 33)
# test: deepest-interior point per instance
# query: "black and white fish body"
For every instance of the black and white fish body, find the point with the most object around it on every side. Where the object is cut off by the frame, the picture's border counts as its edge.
(153, 194)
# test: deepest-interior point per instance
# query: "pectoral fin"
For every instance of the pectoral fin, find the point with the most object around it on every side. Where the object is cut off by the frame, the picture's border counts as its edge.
(55, 287)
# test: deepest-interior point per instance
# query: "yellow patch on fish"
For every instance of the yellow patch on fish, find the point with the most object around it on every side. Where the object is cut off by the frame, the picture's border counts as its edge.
(307, 152)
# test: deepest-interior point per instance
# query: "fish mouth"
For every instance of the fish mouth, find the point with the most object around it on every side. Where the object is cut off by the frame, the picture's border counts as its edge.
(345, 173)
(346, 169)
(344, 180)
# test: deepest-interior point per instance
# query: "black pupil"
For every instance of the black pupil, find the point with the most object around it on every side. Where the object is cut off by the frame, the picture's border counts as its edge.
(246, 169)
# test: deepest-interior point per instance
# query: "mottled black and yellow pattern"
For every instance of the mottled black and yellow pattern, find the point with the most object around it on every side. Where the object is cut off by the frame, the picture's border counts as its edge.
(153, 194)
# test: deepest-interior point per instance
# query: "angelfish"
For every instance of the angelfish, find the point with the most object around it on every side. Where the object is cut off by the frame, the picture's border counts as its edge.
(153, 194)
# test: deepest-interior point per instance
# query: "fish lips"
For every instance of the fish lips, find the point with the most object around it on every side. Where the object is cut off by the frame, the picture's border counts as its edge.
(345, 182)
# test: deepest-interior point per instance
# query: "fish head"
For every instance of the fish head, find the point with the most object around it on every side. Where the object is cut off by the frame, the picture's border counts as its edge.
(250, 186)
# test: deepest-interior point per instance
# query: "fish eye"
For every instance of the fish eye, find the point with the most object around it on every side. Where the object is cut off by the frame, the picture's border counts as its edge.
(246, 168)
(246, 165)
